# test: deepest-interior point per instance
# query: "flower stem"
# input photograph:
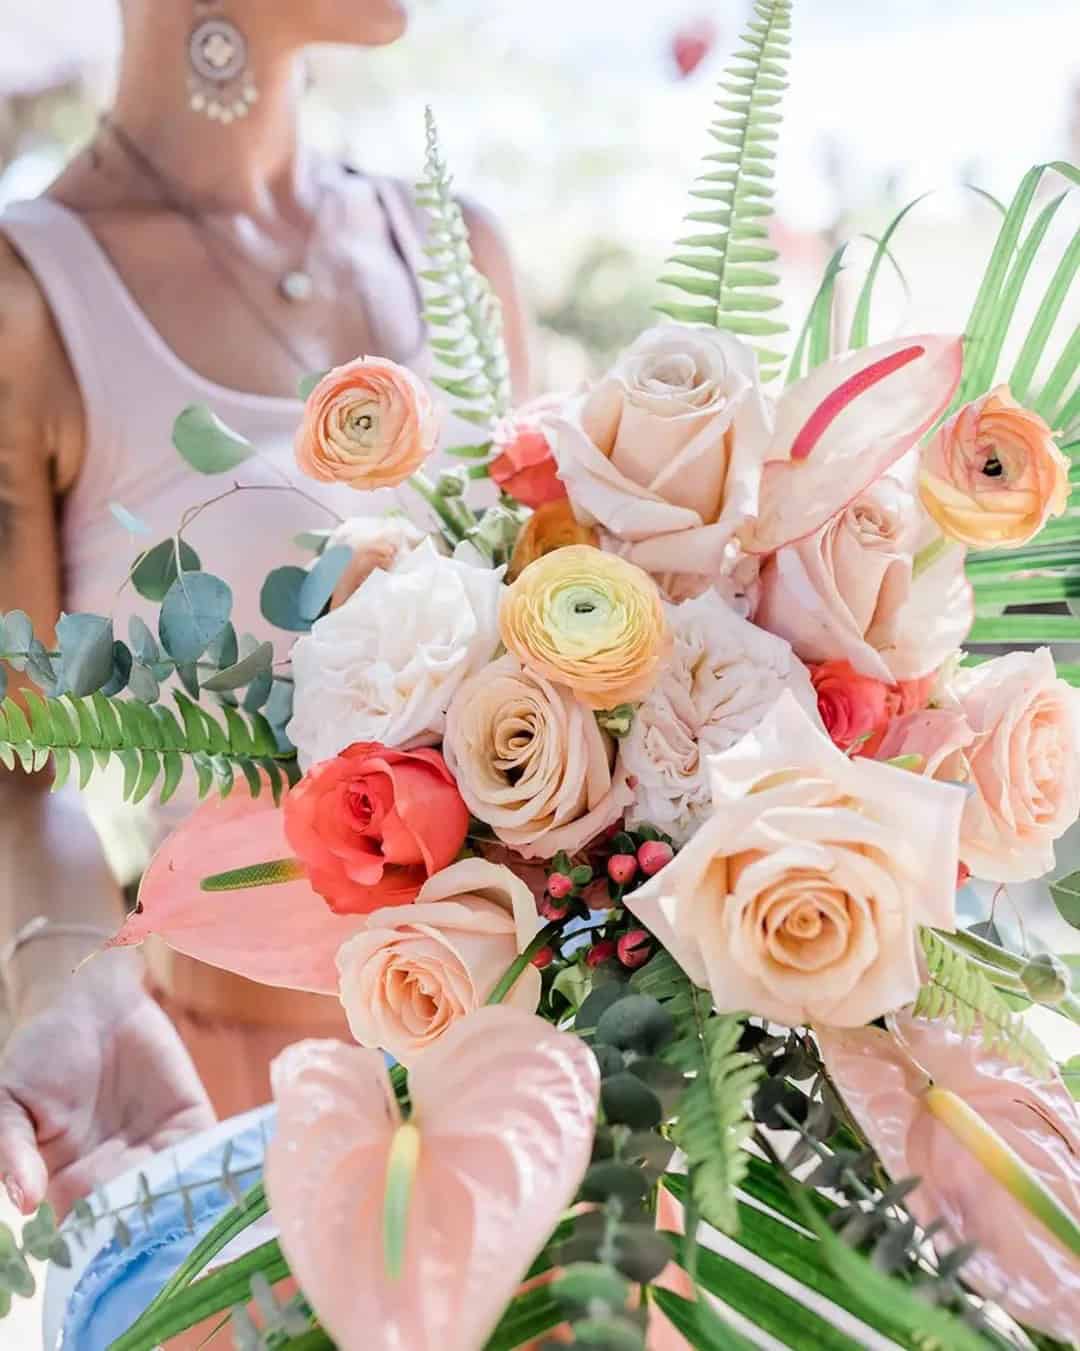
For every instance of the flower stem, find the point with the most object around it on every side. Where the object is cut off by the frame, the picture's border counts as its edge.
(427, 490)
(926, 558)
(1004, 1165)
(1003, 968)
(514, 970)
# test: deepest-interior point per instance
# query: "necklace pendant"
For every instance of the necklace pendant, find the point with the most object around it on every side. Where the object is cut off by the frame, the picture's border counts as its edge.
(297, 287)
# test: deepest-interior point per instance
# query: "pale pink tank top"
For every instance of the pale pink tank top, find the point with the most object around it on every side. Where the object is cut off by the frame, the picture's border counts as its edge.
(133, 387)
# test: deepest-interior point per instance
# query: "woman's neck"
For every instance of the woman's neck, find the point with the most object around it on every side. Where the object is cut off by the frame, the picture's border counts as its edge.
(250, 166)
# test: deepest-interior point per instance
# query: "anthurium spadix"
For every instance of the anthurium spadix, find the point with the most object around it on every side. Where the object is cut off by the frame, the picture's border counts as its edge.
(841, 427)
(415, 1235)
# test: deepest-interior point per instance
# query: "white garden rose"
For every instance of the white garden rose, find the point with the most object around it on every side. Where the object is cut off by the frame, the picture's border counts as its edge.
(376, 542)
(723, 677)
(384, 666)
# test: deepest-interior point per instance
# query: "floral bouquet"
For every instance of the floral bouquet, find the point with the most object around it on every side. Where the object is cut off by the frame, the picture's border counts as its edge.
(627, 811)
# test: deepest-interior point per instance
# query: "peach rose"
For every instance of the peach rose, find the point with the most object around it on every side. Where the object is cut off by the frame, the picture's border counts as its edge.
(992, 476)
(1024, 763)
(588, 620)
(550, 527)
(371, 825)
(376, 542)
(849, 592)
(525, 467)
(532, 762)
(854, 708)
(411, 973)
(800, 897)
(369, 424)
(665, 454)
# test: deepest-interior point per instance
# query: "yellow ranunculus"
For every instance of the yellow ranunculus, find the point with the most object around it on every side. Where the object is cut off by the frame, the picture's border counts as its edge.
(589, 620)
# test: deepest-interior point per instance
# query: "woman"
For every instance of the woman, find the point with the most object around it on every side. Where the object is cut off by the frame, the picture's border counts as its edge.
(193, 254)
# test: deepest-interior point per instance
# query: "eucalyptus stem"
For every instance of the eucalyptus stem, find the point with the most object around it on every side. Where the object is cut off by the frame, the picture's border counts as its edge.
(431, 495)
(510, 977)
(926, 558)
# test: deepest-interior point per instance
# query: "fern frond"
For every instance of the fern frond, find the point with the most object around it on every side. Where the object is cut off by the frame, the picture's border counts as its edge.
(150, 743)
(461, 308)
(736, 185)
(957, 989)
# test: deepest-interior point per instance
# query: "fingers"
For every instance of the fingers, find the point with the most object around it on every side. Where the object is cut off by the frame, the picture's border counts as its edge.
(21, 1166)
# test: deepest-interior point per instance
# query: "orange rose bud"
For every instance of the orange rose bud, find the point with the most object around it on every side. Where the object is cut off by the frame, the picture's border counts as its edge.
(549, 528)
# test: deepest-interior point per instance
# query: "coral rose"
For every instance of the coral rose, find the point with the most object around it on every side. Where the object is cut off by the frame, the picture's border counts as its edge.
(854, 708)
(992, 475)
(532, 762)
(411, 973)
(723, 676)
(588, 620)
(369, 424)
(385, 665)
(549, 528)
(525, 467)
(376, 542)
(373, 824)
(800, 897)
(1024, 763)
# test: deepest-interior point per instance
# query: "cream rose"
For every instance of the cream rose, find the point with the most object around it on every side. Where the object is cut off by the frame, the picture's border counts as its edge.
(532, 762)
(376, 542)
(799, 898)
(724, 675)
(849, 592)
(1024, 763)
(414, 970)
(384, 666)
(665, 454)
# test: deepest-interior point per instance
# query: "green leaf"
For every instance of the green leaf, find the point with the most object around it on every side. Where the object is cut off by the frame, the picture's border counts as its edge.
(812, 348)
(280, 599)
(255, 664)
(699, 1323)
(207, 443)
(193, 613)
(1070, 1073)
(155, 572)
(1066, 896)
(86, 648)
(128, 519)
(1030, 355)
(860, 323)
(320, 582)
(529, 1316)
(308, 384)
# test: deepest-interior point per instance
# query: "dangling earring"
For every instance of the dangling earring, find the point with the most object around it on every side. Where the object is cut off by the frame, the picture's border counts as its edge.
(221, 83)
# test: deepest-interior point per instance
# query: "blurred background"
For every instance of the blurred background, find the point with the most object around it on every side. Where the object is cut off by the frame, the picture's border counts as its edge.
(582, 125)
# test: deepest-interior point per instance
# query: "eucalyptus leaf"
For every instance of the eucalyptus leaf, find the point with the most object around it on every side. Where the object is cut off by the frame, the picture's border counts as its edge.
(279, 599)
(243, 672)
(224, 650)
(18, 633)
(86, 652)
(320, 582)
(207, 443)
(143, 644)
(121, 672)
(193, 614)
(143, 684)
(155, 571)
(128, 519)
(1066, 896)
(309, 383)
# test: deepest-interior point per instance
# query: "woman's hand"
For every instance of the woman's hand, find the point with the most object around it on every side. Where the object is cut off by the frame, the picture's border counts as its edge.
(91, 1086)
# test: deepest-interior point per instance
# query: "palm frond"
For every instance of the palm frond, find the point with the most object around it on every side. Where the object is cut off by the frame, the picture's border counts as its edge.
(728, 269)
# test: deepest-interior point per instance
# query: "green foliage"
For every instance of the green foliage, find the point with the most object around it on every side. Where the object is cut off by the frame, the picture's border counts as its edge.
(1066, 895)
(461, 308)
(41, 1242)
(156, 569)
(728, 269)
(151, 743)
(956, 988)
(207, 444)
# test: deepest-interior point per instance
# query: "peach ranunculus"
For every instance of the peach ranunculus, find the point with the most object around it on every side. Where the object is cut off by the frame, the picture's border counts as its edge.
(385, 665)
(368, 424)
(373, 824)
(854, 708)
(413, 971)
(992, 475)
(588, 620)
(723, 676)
(665, 453)
(800, 897)
(376, 542)
(550, 527)
(849, 592)
(531, 761)
(525, 467)
(885, 1080)
(1024, 762)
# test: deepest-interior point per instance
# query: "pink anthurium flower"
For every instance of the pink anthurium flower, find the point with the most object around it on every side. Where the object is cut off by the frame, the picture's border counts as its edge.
(997, 1149)
(282, 934)
(416, 1234)
(839, 429)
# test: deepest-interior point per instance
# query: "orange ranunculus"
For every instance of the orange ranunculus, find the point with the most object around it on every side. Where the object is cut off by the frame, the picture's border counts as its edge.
(525, 466)
(368, 424)
(550, 527)
(373, 824)
(992, 475)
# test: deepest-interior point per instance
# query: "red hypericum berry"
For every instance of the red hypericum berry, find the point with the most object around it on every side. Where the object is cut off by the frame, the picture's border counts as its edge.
(634, 948)
(621, 868)
(963, 873)
(553, 911)
(654, 855)
(544, 958)
(601, 952)
(559, 886)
